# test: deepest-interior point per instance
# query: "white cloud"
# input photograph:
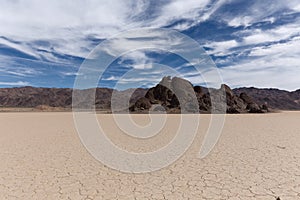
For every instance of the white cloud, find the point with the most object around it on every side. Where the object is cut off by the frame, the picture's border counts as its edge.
(47, 19)
(194, 11)
(273, 62)
(222, 48)
(261, 11)
(23, 47)
(9, 66)
(133, 47)
(262, 77)
(257, 37)
(67, 24)
(241, 21)
(257, 11)
(277, 66)
(178, 9)
(272, 35)
(289, 50)
(111, 78)
(139, 58)
(71, 74)
(68, 27)
(293, 5)
(18, 83)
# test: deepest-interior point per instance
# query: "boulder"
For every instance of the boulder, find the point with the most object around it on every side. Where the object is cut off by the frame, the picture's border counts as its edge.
(141, 104)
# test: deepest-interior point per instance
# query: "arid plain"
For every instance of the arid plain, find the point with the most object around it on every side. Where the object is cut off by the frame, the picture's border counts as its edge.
(256, 157)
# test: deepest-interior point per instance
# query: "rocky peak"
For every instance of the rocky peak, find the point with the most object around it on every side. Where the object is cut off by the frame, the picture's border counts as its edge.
(179, 94)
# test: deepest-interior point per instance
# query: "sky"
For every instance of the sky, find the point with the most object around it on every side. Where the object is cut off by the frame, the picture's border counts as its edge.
(252, 43)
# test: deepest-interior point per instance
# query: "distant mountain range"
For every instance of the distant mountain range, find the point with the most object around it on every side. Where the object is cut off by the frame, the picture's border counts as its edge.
(273, 98)
(32, 97)
(240, 100)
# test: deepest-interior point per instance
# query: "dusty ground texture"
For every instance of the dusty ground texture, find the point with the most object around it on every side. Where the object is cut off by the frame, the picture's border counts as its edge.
(257, 157)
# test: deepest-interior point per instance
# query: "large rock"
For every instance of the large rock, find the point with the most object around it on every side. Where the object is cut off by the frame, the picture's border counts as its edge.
(141, 104)
(177, 94)
(252, 107)
(234, 103)
(161, 93)
(173, 94)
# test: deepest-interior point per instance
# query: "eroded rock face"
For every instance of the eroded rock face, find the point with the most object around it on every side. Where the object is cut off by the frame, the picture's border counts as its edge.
(176, 94)
(234, 103)
(173, 93)
(252, 106)
(141, 104)
(161, 93)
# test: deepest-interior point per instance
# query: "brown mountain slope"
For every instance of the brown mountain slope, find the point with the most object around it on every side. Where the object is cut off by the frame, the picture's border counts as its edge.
(274, 98)
(31, 97)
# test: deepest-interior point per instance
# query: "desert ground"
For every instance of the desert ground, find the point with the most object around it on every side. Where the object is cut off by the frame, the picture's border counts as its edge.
(257, 157)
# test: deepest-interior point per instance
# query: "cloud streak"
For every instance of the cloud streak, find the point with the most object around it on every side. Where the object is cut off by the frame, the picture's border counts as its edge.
(19, 83)
(257, 39)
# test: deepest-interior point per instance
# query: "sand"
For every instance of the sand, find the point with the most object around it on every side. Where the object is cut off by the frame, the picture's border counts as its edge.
(257, 157)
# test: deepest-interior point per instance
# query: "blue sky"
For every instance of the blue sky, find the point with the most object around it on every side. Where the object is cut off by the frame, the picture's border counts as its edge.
(253, 43)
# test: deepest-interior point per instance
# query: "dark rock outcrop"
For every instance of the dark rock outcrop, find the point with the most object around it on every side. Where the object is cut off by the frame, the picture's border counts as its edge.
(253, 107)
(177, 94)
(173, 93)
(141, 104)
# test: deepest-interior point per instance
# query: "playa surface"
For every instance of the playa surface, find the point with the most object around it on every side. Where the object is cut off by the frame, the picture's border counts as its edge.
(257, 157)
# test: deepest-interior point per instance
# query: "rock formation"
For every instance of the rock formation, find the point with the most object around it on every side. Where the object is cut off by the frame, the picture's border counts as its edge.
(179, 95)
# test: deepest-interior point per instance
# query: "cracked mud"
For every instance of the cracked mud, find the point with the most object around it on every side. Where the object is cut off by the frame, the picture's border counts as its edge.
(257, 157)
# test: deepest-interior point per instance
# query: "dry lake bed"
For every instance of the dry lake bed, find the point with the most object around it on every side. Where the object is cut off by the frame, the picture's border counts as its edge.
(257, 157)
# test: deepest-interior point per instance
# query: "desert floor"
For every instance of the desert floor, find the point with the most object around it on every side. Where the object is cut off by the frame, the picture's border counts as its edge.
(257, 157)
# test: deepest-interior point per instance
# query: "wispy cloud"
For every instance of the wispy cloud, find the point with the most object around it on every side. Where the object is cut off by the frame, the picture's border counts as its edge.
(222, 48)
(139, 60)
(258, 11)
(9, 66)
(70, 73)
(19, 83)
(276, 65)
(68, 25)
(246, 38)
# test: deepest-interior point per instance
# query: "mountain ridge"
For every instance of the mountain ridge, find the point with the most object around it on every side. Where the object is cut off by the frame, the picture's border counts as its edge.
(31, 97)
(273, 97)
